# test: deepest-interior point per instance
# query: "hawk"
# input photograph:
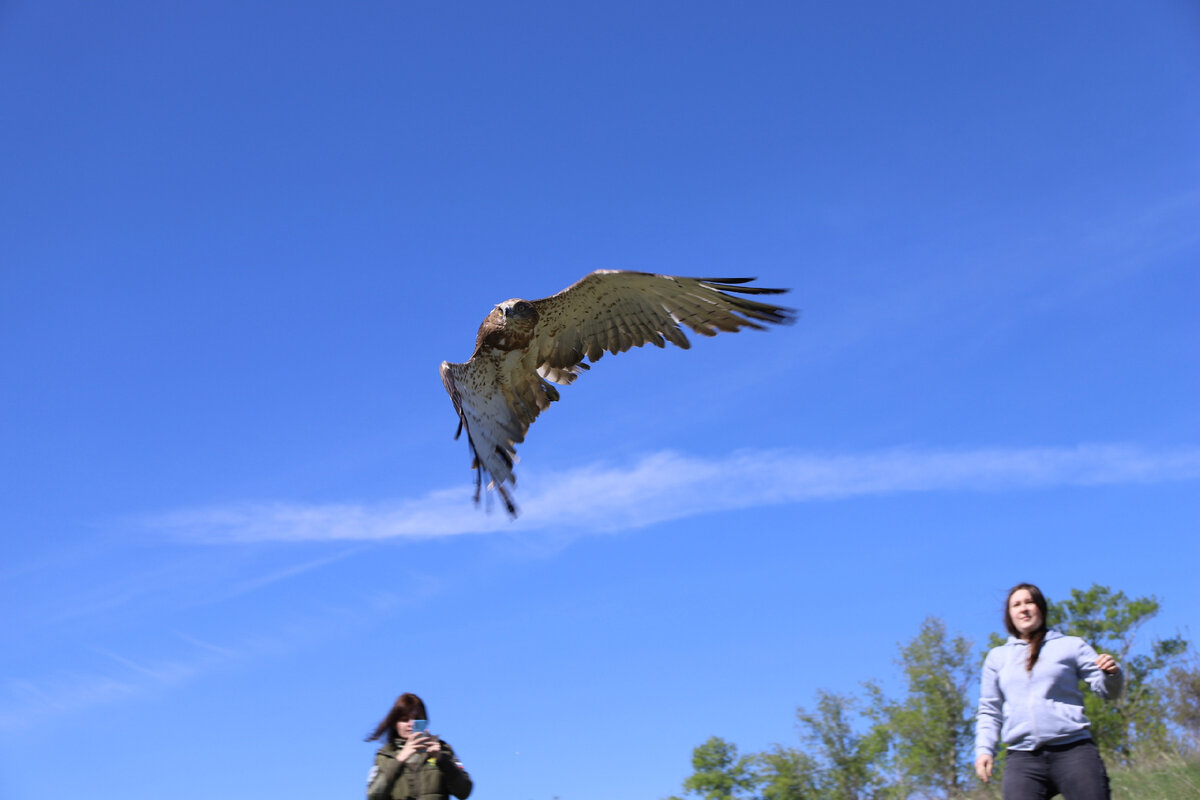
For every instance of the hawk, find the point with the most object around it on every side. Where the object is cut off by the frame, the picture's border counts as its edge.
(525, 347)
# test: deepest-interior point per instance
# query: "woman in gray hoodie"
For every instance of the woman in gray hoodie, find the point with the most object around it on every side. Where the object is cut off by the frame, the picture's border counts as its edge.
(1030, 700)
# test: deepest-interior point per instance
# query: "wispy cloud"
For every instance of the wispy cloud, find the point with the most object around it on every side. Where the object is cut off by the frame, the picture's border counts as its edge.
(282, 574)
(597, 497)
(22, 701)
(102, 675)
(26, 701)
(667, 485)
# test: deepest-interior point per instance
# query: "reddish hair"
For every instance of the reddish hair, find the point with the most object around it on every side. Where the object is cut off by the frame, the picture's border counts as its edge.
(407, 707)
(1037, 636)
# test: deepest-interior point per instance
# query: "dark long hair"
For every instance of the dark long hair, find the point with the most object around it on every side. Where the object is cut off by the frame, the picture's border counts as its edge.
(1036, 637)
(407, 707)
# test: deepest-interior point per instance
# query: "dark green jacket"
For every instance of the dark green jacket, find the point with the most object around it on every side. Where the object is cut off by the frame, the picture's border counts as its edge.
(422, 777)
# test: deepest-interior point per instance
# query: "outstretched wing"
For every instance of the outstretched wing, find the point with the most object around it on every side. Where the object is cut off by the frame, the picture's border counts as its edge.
(614, 310)
(497, 397)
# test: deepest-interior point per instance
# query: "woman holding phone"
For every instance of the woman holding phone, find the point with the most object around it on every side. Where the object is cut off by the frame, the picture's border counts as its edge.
(1030, 699)
(413, 764)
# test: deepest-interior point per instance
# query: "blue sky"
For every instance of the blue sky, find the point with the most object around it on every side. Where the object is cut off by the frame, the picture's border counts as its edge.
(238, 239)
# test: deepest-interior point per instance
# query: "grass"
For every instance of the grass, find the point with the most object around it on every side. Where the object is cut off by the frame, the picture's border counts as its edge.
(1168, 777)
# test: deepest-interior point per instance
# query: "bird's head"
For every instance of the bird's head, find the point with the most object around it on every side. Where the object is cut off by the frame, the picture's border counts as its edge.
(510, 326)
(517, 310)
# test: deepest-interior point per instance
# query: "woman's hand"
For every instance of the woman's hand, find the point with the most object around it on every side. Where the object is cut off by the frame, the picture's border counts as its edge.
(419, 743)
(1107, 663)
(983, 766)
(408, 750)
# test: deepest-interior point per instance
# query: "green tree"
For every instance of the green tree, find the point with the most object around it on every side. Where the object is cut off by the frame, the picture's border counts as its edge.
(843, 762)
(1182, 693)
(785, 773)
(929, 732)
(1109, 621)
(718, 772)
(849, 762)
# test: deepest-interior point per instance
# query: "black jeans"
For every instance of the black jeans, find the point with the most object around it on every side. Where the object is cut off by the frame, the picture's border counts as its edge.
(1075, 770)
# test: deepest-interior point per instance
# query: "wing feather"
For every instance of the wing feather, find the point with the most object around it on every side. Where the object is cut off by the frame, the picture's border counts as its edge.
(497, 398)
(615, 310)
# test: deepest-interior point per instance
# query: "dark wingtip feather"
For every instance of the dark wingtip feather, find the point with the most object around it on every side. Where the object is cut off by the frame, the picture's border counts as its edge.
(504, 455)
(731, 288)
(509, 505)
(735, 285)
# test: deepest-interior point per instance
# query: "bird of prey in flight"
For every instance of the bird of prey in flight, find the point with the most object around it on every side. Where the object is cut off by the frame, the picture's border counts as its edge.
(524, 347)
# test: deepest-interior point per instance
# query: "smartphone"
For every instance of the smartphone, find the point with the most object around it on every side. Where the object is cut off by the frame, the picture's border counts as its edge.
(419, 725)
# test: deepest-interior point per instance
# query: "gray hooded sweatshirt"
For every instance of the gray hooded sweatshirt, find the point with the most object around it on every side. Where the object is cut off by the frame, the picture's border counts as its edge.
(1027, 710)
